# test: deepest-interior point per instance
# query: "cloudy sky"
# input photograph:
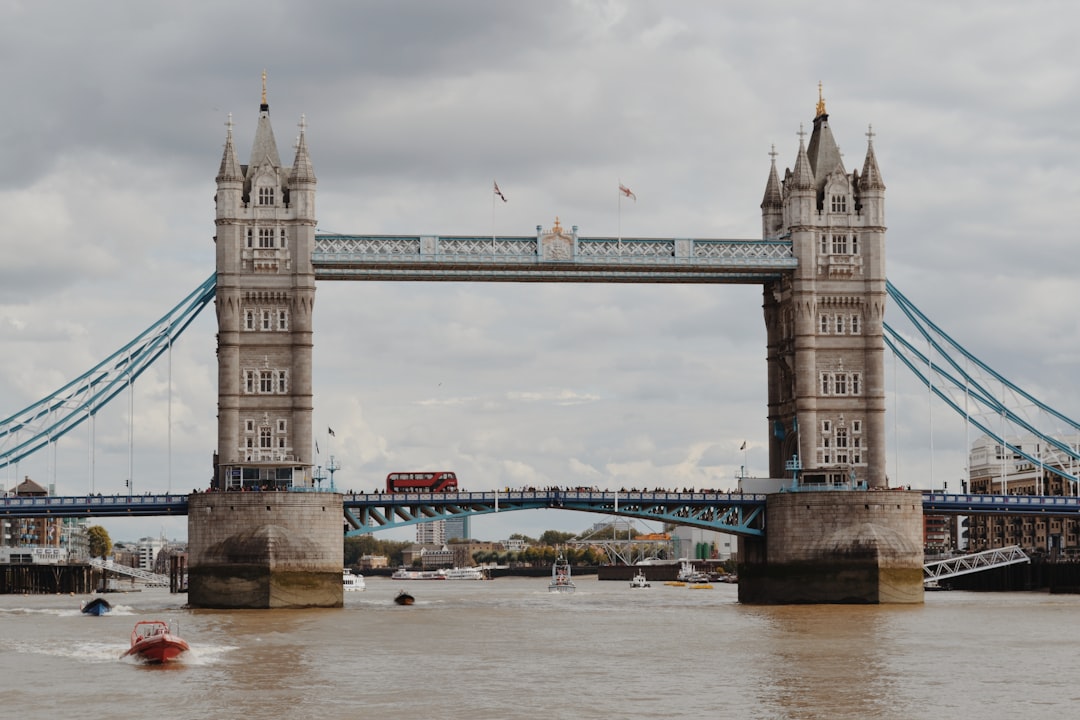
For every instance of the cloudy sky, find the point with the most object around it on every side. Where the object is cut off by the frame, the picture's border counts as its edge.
(112, 128)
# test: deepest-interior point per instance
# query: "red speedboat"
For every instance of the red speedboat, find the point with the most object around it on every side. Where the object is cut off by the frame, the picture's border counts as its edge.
(153, 642)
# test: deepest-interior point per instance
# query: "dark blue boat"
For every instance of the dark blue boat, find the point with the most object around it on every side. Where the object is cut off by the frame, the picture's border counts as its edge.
(97, 606)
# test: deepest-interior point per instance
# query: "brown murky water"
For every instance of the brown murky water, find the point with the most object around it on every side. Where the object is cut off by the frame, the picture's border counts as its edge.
(508, 649)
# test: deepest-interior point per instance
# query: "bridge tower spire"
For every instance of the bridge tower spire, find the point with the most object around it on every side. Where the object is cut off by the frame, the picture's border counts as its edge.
(265, 218)
(824, 322)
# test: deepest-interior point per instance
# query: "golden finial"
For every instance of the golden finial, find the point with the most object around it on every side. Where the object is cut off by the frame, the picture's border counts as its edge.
(820, 101)
(558, 228)
(264, 87)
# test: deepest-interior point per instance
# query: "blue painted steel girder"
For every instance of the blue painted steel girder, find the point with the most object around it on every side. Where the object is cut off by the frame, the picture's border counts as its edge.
(94, 506)
(737, 514)
(722, 512)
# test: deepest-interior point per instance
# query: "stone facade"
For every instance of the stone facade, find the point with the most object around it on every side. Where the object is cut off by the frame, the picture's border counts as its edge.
(257, 550)
(836, 547)
(265, 297)
(840, 538)
(824, 321)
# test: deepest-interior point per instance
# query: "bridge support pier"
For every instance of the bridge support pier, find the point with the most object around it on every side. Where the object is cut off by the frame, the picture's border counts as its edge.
(261, 550)
(838, 547)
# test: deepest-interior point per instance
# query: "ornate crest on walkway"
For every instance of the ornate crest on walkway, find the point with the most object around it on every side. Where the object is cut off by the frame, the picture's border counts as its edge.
(557, 244)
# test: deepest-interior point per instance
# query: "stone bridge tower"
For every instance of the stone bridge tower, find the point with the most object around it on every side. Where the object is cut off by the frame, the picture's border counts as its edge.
(832, 537)
(265, 296)
(824, 322)
(251, 542)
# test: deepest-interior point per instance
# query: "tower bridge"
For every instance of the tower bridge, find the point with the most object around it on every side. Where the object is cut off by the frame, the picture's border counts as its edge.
(820, 263)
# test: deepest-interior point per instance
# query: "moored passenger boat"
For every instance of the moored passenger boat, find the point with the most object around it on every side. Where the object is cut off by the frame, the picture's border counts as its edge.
(352, 582)
(464, 573)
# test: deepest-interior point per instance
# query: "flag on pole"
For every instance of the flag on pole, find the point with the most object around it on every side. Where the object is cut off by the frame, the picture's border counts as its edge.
(499, 192)
(627, 192)
(331, 431)
(316, 447)
(743, 446)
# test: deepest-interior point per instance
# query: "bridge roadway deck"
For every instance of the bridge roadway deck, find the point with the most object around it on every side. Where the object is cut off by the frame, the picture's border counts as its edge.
(364, 513)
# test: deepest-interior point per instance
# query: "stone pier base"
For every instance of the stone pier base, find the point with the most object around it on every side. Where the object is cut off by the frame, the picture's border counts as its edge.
(265, 550)
(863, 547)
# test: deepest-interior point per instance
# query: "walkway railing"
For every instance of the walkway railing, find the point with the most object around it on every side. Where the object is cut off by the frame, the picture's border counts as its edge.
(966, 564)
(148, 578)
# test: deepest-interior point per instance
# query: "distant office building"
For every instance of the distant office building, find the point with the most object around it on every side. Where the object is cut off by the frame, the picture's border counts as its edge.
(147, 551)
(457, 527)
(994, 469)
(698, 544)
(431, 533)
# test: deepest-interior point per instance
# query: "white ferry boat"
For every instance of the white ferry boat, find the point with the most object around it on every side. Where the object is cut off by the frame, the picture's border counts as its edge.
(352, 583)
(464, 573)
(405, 574)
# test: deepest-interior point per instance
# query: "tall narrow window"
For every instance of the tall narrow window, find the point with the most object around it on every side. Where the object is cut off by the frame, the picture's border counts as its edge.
(249, 319)
(825, 383)
(854, 244)
(250, 237)
(282, 384)
(855, 378)
(855, 325)
(265, 439)
(824, 324)
(266, 381)
(824, 244)
(249, 382)
(283, 320)
(840, 385)
(266, 320)
(839, 324)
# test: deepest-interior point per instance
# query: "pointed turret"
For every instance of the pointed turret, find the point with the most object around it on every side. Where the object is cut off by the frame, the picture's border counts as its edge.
(774, 198)
(264, 149)
(871, 176)
(230, 178)
(823, 153)
(802, 178)
(772, 205)
(302, 171)
(230, 165)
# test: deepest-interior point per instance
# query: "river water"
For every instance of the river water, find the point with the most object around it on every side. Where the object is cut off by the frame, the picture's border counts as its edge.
(508, 649)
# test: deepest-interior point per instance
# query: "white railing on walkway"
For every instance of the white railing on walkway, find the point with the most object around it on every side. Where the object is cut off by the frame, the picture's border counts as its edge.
(148, 578)
(965, 564)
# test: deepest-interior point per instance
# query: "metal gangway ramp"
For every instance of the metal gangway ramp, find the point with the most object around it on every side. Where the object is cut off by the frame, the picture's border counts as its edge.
(977, 562)
(148, 578)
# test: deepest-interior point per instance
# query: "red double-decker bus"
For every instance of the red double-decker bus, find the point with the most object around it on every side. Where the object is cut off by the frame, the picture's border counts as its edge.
(440, 481)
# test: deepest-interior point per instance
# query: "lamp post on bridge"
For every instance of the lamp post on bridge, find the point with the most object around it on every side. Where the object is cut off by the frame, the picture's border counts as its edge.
(332, 466)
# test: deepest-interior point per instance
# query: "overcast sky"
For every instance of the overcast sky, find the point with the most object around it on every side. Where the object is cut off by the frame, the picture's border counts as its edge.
(113, 123)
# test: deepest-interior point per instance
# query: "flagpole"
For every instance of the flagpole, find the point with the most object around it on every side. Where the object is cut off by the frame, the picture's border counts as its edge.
(620, 193)
(493, 221)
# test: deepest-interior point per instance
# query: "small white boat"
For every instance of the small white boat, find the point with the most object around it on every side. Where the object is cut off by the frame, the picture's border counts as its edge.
(406, 574)
(639, 580)
(463, 573)
(560, 577)
(351, 582)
